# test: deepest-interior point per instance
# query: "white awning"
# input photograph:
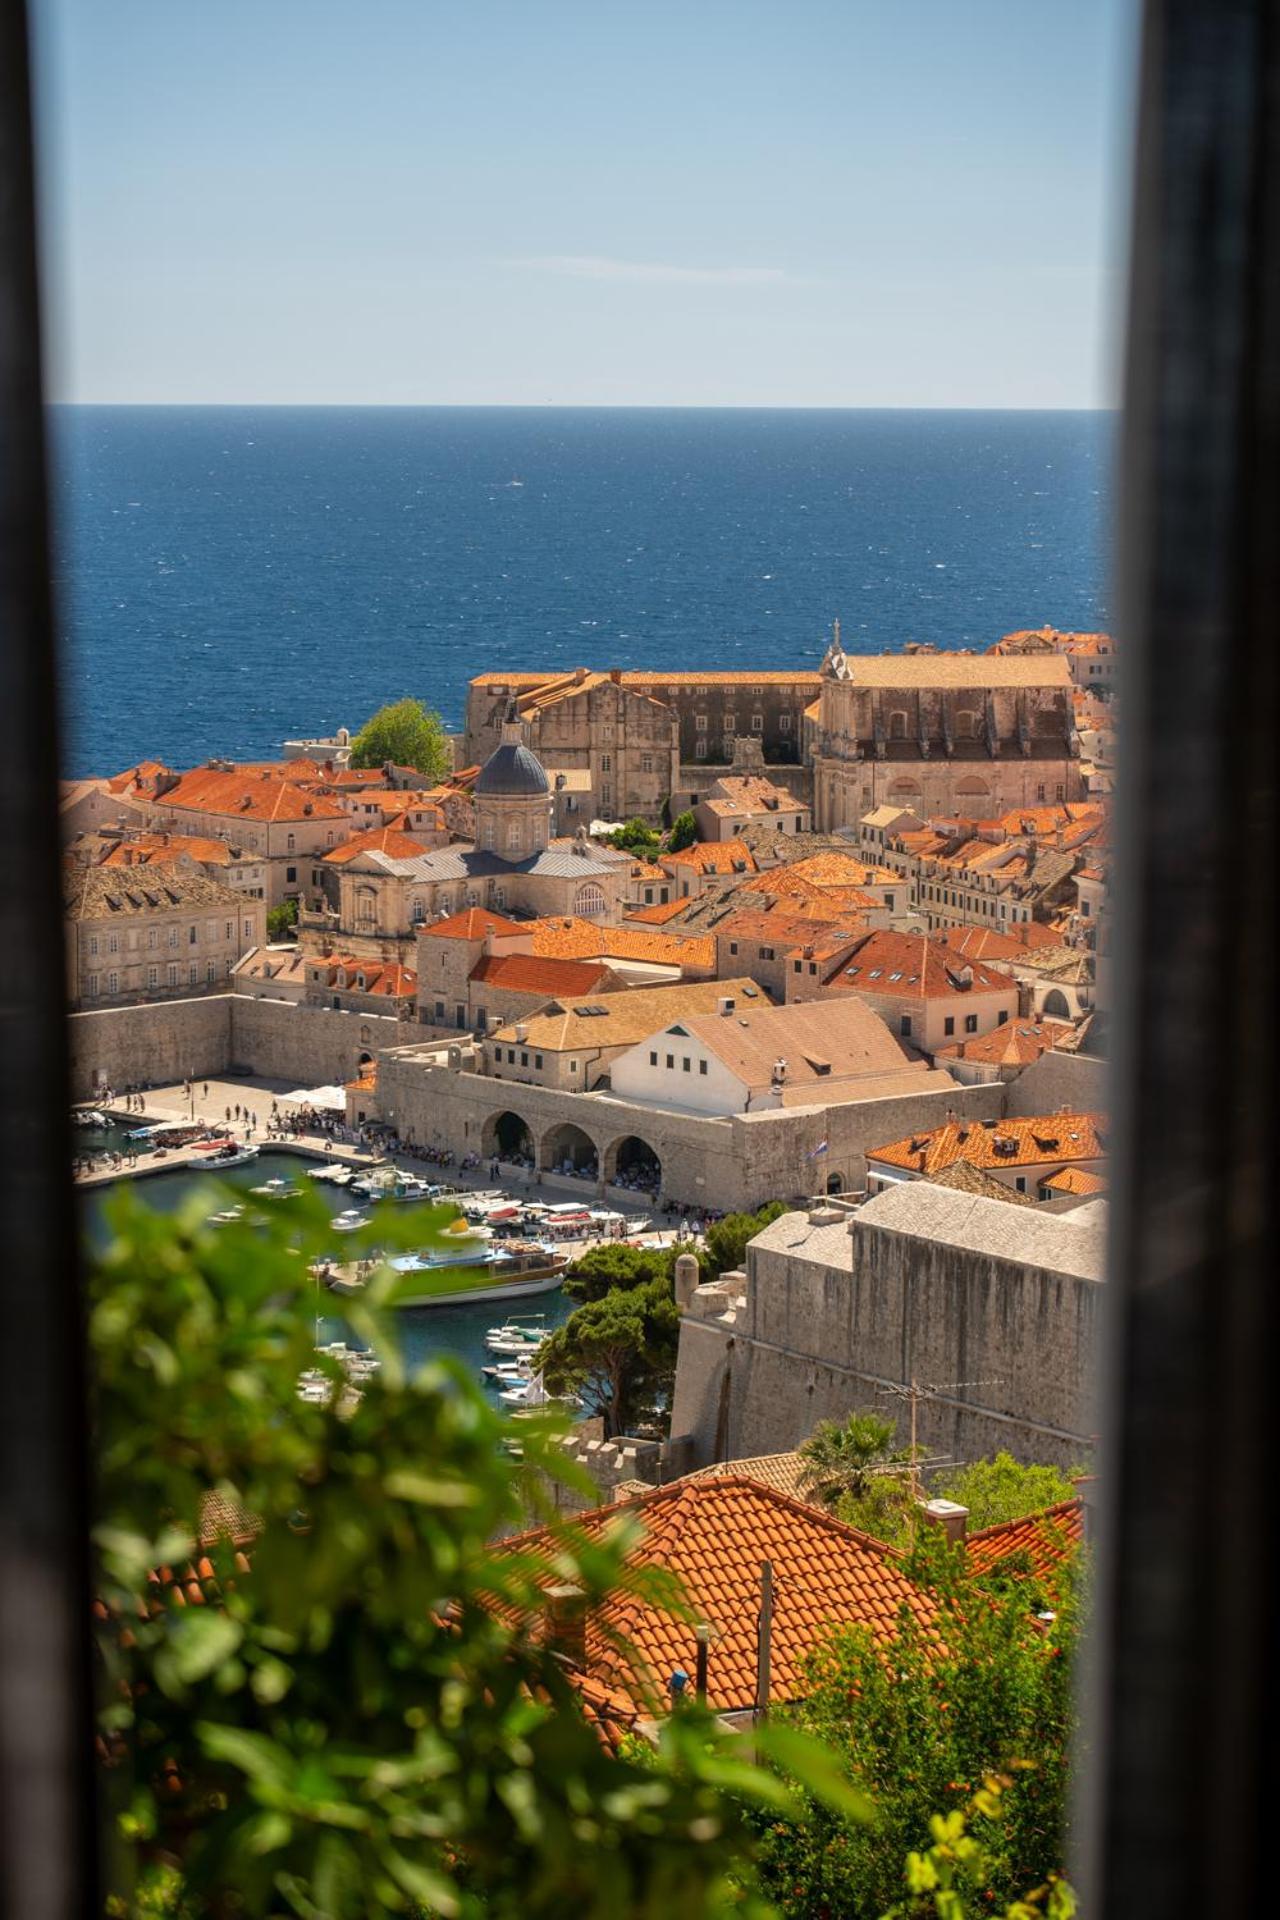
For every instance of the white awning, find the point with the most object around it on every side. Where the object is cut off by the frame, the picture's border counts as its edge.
(332, 1099)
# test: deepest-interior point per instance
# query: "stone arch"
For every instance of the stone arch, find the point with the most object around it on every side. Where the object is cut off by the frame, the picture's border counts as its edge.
(508, 1135)
(366, 1058)
(898, 725)
(569, 1149)
(1055, 1005)
(966, 724)
(973, 787)
(904, 788)
(835, 1183)
(589, 901)
(366, 906)
(633, 1162)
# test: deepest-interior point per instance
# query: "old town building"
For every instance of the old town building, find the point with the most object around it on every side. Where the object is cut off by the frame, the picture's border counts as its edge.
(164, 932)
(942, 733)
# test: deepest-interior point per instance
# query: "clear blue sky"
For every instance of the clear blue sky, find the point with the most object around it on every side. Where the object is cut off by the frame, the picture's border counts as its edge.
(653, 202)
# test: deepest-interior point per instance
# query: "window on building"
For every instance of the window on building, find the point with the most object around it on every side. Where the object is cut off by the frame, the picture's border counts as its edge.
(93, 943)
(573, 1066)
(646, 763)
(291, 874)
(700, 722)
(730, 723)
(606, 763)
(671, 1061)
(949, 1024)
(1002, 1016)
(686, 1065)
(172, 973)
(537, 1061)
(113, 983)
(702, 1066)
(766, 953)
(733, 946)
(971, 1023)
(193, 973)
(153, 976)
(700, 749)
(210, 972)
(904, 1026)
(289, 844)
(784, 723)
(113, 943)
(757, 723)
(653, 1059)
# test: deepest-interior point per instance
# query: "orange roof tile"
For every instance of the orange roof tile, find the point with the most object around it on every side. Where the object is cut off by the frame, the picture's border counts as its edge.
(912, 966)
(713, 1534)
(1076, 1180)
(1047, 1539)
(658, 916)
(714, 856)
(247, 796)
(1045, 1140)
(1016, 1044)
(391, 840)
(473, 923)
(529, 973)
(157, 849)
(821, 872)
(571, 939)
(985, 943)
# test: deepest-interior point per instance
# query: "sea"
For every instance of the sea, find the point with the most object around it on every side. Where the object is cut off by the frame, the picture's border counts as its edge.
(230, 577)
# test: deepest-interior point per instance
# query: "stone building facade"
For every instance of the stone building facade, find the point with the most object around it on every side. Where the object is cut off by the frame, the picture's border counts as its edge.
(159, 933)
(942, 734)
(632, 732)
(993, 1309)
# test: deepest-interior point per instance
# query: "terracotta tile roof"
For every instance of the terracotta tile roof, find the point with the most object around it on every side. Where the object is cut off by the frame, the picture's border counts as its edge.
(160, 849)
(781, 1471)
(1016, 1044)
(1047, 1539)
(391, 840)
(144, 775)
(713, 856)
(627, 1018)
(527, 973)
(659, 915)
(713, 1533)
(571, 939)
(114, 893)
(751, 793)
(912, 966)
(821, 872)
(908, 670)
(778, 924)
(347, 971)
(473, 923)
(827, 1049)
(985, 943)
(247, 796)
(1076, 1180)
(1050, 1139)
(961, 1177)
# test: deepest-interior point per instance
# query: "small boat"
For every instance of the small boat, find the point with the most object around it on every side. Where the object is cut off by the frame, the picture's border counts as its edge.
(90, 1118)
(337, 1176)
(276, 1190)
(229, 1155)
(226, 1218)
(532, 1327)
(349, 1221)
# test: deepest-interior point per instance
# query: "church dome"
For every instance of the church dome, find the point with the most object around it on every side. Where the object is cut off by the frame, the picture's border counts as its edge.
(511, 770)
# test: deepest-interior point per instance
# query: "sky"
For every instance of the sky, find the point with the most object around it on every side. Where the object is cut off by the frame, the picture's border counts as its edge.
(833, 203)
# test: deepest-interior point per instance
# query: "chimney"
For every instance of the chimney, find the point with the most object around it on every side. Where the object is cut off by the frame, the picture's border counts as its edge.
(615, 674)
(566, 1622)
(522, 1032)
(947, 1515)
(724, 1005)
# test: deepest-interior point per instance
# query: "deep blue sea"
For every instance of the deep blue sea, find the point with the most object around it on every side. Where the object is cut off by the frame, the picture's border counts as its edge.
(229, 577)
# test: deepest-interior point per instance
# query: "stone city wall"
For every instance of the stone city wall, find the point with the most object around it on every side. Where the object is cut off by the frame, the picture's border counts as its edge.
(811, 1342)
(726, 1162)
(1073, 1080)
(211, 1036)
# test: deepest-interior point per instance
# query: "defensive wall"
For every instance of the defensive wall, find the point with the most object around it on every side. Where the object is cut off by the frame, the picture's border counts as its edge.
(836, 1316)
(1076, 1081)
(727, 1162)
(161, 1042)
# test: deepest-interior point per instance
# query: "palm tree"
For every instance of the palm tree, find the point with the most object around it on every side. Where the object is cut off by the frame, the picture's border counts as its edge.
(840, 1458)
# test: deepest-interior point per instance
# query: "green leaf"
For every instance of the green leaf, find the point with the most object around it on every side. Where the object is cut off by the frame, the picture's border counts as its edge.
(429, 1490)
(815, 1768)
(253, 1753)
(199, 1641)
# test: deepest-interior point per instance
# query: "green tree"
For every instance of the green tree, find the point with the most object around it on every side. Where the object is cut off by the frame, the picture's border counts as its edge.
(406, 734)
(727, 1239)
(684, 832)
(637, 837)
(618, 1352)
(840, 1457)
(920, 1727)
(282, 920)
(1003, 1489)
(358, 1722)
(600, 1269)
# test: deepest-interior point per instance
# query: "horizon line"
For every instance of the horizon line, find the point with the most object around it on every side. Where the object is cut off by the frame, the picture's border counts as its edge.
(576, 406)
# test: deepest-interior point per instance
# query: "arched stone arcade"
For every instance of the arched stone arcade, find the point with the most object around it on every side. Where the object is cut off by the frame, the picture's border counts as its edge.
(569, 1150)
(632, 1162)
(507, 1136)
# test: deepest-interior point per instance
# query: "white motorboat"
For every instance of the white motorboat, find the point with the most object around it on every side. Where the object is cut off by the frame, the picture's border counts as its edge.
(336, 1176)
(91, 1118)
(226, 1218)
(276, 1190)
(532, 1327)
(349, 1221)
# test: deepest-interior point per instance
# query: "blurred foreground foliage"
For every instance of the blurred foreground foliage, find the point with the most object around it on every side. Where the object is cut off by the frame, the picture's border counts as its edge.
(362, 1719)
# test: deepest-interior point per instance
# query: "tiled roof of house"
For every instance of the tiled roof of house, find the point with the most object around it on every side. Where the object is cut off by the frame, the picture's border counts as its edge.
(985, 943)
(162, 849)
(391, 839)
(713, 1533)
(821, 872)
(107, 893)
(825, 1047)
(558, 937)
(962, 1177)
(1016, 1044)
(736, 793)
(1046, 1538)
(1076, 1180)
(287, 964)
(248, 796)
(713, 856)
(1049, 1139)
(781, 1471)
(528, 973)
(779, 924)
(659, 915)
(571, 1025)
(912, 966)
(473, 923)
(355, 974)
(141, 777)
